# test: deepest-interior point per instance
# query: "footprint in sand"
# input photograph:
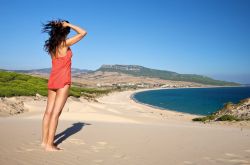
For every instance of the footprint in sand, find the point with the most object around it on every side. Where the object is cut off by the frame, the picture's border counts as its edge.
(76, 141)
(241, 161)
(19, 149)
(207, 158)
(23, 149)
(87, 151)
(111, 147)
(238, 161)
(102, 143)
(235, 160)
(119, 156)
(247, 150)
(187, 162)
(231, 155)
(95, 148)
(98, 161)
(29, 146)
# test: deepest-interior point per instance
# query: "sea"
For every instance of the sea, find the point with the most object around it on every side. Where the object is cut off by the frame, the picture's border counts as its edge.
(199, 101)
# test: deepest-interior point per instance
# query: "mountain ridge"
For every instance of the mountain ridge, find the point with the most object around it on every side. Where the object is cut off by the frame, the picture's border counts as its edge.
(137, 70)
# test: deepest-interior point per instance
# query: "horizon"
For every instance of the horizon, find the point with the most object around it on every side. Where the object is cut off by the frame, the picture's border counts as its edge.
(209, 38)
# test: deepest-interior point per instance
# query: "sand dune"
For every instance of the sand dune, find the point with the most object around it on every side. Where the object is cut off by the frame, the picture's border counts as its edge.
(117, 130)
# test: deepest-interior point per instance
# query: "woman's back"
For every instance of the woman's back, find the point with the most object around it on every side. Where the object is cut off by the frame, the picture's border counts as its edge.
(61, 52)
(60, 74)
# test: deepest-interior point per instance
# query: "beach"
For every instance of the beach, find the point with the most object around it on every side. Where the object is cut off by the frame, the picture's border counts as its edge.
(117, 130)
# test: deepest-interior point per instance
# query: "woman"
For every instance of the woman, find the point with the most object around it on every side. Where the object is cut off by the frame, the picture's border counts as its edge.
(58, 47)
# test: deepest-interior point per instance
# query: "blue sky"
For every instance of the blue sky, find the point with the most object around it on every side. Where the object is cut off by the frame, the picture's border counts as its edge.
(207, 37)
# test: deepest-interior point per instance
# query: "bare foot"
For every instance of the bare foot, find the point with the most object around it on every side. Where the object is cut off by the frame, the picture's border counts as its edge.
(43, 145)
(52, 148)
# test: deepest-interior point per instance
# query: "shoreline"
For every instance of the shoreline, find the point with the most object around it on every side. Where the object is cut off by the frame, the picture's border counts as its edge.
(172, 110)
(159, 108)
(188, 116)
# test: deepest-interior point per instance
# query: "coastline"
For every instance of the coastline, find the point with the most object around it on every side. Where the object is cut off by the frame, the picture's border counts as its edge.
(175, 115)
(165, 114)
(159, 108)
(156, 107)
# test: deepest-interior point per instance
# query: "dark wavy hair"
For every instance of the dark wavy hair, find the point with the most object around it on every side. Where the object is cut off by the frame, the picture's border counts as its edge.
(57, 35)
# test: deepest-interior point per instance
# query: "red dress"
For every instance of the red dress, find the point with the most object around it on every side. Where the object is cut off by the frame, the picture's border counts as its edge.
(60, 74)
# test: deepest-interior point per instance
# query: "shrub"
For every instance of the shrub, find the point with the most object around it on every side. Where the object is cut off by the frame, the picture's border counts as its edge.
(227, 118)
(203, 119)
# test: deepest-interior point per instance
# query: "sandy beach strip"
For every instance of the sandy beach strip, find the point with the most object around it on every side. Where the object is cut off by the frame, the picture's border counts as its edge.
(117, 130)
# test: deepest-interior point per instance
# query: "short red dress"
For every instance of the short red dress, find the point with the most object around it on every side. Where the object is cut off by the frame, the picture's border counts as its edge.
(60, 74)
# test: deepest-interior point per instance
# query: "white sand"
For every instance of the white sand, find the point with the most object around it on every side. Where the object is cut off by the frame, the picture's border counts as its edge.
(118, 131)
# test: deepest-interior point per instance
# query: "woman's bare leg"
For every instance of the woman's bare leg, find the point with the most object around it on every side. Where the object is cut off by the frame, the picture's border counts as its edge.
(61, 98)
(47, 116)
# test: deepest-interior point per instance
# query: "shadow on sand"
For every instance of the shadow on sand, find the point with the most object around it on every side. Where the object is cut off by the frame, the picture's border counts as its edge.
(76, 127)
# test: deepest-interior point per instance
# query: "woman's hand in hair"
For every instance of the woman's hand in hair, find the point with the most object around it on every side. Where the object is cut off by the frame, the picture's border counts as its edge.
(65, 24)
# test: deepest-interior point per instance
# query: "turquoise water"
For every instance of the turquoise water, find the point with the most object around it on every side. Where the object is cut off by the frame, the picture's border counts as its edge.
(200, 101)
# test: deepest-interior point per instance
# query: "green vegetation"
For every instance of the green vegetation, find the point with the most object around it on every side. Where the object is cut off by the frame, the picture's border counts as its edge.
(227, 118)
(166, 75)
(216, 118)
(17, 84)
(206, 118)
(88, 92)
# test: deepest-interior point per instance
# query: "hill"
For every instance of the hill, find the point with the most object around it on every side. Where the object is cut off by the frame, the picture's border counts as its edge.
(137, 70)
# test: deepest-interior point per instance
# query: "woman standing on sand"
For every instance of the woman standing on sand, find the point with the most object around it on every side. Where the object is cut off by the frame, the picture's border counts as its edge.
(58, 47)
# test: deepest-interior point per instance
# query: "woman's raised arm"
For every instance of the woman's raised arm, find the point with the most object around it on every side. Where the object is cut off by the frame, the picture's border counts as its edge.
(80, 34)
